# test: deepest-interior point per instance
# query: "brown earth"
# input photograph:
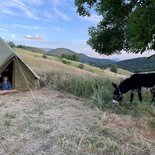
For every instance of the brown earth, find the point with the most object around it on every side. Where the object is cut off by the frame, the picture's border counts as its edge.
(61, 124)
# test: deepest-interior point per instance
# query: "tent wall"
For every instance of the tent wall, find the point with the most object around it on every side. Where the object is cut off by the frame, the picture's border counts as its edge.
(6, 52)
(24, 78)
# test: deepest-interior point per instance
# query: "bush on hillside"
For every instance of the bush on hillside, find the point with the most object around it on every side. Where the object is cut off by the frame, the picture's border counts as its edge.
(11, 44)
(44, 56)
(65, 61)
(102, 94)
(73, 57)
(113, 68)
(81, 66)
(21, 46)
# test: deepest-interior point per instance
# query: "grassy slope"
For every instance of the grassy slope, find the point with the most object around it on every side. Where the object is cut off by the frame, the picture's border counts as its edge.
(124, 72)
(87, 68)
(130, 131)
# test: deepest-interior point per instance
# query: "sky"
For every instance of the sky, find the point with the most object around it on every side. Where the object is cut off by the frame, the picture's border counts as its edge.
(50, 24)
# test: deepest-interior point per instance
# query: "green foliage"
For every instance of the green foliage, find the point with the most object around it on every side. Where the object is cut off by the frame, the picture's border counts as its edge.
(73, 57)
(113, 68)
(44, 56)
(21, 46)
(102, 96)
(11, 44)
(78, 86)
(138, 64)
(65, 61)
(127, 25)
(81, 66)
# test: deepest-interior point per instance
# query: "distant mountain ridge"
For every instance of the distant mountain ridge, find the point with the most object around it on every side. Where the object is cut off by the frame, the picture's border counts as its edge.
(34, 49)
(83, 58)
(59, 51)
(136, 65)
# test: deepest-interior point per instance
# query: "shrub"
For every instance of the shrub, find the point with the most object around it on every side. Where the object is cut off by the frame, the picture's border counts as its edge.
(65, 61)
(44, 56)
(113, 68)
(21, 46)
(81, 66)
(102, 94)
(73, 57)
(11, 44)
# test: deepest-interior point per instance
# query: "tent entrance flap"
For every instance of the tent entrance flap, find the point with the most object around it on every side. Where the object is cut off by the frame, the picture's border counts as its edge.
(8, 72)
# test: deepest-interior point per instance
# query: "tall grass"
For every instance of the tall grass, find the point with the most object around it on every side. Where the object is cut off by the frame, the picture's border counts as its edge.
(82, 83)
(97, 90)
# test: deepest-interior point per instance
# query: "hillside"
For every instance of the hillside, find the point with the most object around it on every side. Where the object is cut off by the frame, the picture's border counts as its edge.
(132, 65)
(95, 61)
(59, 51)
(138, 65)
(34, 49)
(73, 114)
(52, 64)
(83, 58)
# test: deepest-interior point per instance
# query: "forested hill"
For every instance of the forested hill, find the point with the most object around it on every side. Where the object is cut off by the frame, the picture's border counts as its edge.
(139, 64)
(83, 58)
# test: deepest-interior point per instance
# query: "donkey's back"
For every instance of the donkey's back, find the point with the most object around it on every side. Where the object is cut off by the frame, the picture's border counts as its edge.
(143, 80)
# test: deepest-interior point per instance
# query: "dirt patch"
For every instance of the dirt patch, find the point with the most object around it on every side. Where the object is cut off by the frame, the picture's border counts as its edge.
(59, 123)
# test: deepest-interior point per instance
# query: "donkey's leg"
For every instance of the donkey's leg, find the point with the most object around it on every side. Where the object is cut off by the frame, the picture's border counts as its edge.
(131, 96)
(140, 95)
(152, 100)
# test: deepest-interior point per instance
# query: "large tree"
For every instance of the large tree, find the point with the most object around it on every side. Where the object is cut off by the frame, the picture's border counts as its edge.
(126, 25)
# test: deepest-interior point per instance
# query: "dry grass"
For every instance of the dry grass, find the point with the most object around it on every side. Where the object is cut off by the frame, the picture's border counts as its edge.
(60, 123)
(44, 66)
(124, 72)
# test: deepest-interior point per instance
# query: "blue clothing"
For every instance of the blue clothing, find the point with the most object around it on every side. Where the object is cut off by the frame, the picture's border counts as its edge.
(6, 86)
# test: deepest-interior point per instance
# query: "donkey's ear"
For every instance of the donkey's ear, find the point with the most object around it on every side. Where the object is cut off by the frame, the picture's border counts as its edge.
(114, 85)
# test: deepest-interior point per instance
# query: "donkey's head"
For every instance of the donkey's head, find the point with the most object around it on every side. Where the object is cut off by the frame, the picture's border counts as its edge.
(117, 95)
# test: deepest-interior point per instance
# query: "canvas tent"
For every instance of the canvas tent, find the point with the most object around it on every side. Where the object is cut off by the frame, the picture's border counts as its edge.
(20, 75)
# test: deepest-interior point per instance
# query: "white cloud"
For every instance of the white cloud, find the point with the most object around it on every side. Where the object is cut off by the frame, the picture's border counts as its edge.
(9, 12)
(3, 29)
(36, 27)
(93, 18)
(61, 2)
(33, 2)
(55, 28)
(36, 37)
(61, 14)
(27, 27)
(13, 36)
(57, 2)
(26, 9)
(12, 7)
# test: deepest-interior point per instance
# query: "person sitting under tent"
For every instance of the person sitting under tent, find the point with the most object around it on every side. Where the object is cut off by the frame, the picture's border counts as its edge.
(6, 85)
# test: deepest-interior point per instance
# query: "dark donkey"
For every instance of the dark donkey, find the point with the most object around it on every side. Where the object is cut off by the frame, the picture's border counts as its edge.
(135, 82)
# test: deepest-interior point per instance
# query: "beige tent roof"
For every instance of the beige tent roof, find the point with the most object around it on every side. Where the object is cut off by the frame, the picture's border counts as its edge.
(23, 76)
(6, 52)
